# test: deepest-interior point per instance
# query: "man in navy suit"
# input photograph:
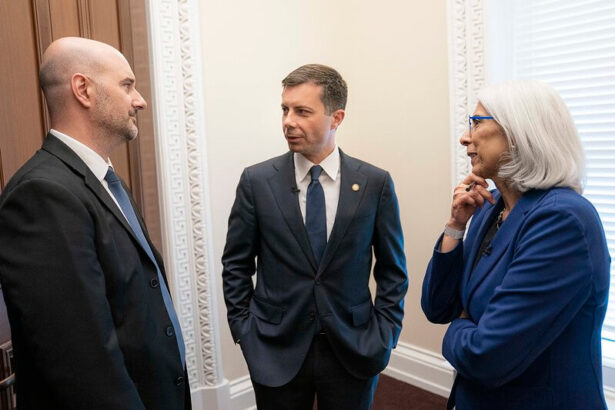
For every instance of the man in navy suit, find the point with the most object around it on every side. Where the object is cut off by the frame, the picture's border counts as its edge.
(307, 223)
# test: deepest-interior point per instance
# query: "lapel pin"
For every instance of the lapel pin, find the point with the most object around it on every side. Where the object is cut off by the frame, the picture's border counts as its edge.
(355, 187)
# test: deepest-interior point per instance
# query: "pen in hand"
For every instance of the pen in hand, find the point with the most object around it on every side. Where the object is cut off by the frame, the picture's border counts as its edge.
(469, 187)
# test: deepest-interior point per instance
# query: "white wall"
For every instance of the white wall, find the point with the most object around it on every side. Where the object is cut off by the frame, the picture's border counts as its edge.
(392, 53)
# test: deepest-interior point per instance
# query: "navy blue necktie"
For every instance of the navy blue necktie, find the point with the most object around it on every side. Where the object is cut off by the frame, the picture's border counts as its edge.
(315, 214)
(115, 186)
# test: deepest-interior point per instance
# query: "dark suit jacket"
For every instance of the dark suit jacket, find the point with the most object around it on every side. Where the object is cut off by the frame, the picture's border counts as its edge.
(536, 299)
(86, 312)
(294, 297)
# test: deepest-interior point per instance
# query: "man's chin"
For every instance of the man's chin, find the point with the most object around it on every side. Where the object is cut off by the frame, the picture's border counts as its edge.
(129, 136)
(294, 147)
(132, 133)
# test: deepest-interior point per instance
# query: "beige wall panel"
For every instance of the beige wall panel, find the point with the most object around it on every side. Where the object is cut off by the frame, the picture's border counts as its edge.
(398, 119)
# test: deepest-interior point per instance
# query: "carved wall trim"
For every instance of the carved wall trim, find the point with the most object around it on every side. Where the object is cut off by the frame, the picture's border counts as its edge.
(467, 73)
(181, 154)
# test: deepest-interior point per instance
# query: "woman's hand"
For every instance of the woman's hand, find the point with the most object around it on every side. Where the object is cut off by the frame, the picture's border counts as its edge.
(468, 195)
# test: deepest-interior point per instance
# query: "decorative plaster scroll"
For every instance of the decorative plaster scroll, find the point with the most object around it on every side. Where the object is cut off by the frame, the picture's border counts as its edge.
(177, 97)
(193, 106)
(467, 73)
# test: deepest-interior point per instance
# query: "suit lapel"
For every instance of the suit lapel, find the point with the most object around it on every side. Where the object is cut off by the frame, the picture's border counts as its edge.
(347, 206)
(500, 242)
(283, 186)
(57, 148)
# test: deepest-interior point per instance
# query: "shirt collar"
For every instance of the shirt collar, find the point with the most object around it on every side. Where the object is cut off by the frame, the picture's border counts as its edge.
(330, 165)
(95, 162)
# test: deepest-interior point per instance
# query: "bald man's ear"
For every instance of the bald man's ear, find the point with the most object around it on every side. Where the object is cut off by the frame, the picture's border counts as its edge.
(338, 117)
(81, 87)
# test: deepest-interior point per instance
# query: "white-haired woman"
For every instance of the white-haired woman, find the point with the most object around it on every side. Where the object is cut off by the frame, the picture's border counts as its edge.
(526, 292)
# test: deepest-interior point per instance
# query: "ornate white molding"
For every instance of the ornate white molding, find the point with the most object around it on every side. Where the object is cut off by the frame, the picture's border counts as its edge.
(178, 105)
(467, 73)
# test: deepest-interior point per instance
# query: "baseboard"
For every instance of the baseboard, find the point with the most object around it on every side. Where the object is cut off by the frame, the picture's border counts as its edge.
(211, 397)
(242, 394)
(421, 368)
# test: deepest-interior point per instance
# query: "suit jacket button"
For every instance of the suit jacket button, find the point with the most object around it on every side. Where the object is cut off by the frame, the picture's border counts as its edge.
(179, 381)
(154, 283)
(311, 316)
(318, 281)
(169, 331)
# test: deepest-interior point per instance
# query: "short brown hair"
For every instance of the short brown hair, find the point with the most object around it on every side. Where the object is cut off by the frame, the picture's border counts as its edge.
(334, 89)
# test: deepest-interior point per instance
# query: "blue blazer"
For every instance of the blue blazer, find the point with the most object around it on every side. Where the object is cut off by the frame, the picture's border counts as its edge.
(536, 301)
(276, 321)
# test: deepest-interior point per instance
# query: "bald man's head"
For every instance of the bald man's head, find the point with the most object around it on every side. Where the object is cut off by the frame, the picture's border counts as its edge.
(91, 92)
(67, 56)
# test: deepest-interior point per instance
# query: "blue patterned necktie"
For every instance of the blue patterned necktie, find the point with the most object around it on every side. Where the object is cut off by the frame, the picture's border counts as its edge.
(115, 186)
(315, 214)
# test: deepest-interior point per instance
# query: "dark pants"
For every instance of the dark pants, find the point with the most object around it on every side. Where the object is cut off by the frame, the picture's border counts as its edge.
(323, 376)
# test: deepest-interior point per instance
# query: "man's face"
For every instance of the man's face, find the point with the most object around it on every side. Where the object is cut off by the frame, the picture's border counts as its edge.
(307, 127)
(117, 101)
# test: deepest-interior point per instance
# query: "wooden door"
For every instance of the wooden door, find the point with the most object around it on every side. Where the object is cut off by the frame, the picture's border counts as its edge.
(27, 27)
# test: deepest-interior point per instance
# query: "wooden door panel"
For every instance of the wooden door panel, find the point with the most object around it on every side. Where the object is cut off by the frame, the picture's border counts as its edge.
(142, 151)
(21, 125)
(64, 14)
(104, 24)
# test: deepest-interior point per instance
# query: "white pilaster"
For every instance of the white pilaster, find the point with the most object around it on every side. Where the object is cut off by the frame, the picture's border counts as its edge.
(177, 101)
(467, 73)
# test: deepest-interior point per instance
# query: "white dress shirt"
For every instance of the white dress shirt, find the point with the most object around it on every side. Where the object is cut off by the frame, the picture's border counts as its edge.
(329, 179)
(95, 162)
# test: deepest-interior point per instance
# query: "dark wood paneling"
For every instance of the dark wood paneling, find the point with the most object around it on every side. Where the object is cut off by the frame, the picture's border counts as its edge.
(64, 15)
(83, 8)
(42, 25)
(142, 151)
(105, 24)
(44, 37)
(21, 128)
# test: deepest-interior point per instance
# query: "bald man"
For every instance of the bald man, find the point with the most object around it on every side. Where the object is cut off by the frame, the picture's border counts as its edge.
(92, 322)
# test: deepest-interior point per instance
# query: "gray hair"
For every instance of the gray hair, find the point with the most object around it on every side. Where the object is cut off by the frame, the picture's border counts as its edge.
(545, 149)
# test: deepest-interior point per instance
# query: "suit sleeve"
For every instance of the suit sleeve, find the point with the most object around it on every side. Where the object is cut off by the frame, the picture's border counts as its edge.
(441, 301)
(238, 259)
(56, 296)
(547, 283)
(390, 268)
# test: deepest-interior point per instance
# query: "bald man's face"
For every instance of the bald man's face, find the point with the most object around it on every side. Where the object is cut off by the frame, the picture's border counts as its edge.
(117, 100)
